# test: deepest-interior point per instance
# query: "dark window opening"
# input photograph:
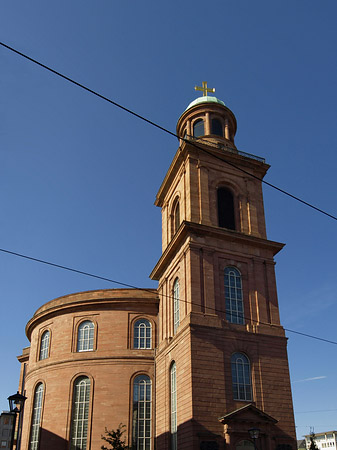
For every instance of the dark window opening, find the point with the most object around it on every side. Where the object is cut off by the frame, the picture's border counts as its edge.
(217, 127)
(198, 128)
(226, 209)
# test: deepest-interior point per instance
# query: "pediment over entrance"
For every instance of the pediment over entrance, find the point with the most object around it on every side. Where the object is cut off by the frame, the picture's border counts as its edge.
(237, 424)
(248, 413)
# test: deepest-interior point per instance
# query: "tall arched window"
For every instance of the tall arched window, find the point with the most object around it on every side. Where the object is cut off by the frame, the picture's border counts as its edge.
(217, 127)
(233, 296)
(173, 388)
(241, 377)
(176, 216)
(142, 334)
(36, 418)
(198, 128)
(80, 414)
(44, 345)
(176, 309)
(85, 336)
(226, 216)
(142, 413)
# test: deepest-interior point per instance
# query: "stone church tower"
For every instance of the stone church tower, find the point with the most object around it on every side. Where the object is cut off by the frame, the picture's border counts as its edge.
(195, 364)
(221, 362)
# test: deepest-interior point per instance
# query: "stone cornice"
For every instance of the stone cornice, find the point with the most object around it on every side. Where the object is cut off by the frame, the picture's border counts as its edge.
(105, 298)
(188, 229)
(187, 149)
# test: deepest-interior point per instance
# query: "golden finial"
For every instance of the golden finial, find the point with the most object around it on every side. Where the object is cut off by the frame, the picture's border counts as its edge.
(204, 89)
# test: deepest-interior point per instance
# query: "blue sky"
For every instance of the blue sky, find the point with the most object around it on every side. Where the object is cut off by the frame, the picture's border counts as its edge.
(78, 176)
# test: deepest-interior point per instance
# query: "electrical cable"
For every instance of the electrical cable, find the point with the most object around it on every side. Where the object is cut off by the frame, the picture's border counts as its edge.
(81, 272)
(164, 129)
(172, 134)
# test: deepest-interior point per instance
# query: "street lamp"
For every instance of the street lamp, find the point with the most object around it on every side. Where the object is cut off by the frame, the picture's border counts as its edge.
(254, 434)
(16, 403)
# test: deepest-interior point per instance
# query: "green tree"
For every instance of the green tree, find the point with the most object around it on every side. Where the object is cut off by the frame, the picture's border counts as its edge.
(115, 439)
(313, 445)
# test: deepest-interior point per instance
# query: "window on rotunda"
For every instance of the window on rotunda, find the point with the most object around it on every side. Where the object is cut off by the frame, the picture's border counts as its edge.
(85, 336)
(141, 413)
(216, 127)
(80, 414)
(226, 216)
(36, 418)
(142, 334)
(198, 128)
(44, 345)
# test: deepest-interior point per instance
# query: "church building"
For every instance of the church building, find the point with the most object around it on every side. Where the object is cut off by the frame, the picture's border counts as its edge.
(199, 363)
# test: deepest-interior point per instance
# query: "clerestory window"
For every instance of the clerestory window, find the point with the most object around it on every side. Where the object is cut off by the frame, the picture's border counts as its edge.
(85, 336)
(142, 334)
(44, 345)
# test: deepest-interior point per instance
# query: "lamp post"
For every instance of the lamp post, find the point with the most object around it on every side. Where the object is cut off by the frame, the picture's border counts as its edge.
(16, 403)
(254, 434)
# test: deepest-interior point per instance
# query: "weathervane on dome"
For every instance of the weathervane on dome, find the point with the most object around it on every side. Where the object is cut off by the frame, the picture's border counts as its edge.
(204, 89)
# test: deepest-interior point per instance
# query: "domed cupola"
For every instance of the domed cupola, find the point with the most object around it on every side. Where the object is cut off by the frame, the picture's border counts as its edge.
(208, 118)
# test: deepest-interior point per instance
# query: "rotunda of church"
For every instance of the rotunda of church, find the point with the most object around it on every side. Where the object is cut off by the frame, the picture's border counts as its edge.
(90, 366)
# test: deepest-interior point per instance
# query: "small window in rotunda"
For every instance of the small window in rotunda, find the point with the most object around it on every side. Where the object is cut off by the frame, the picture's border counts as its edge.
(217, 127)
(198, 128)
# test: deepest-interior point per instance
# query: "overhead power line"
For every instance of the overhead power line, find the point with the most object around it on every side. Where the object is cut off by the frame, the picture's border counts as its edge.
(110, 280)
(82, 86)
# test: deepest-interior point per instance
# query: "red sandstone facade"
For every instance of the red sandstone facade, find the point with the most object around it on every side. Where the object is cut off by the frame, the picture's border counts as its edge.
(194, 339)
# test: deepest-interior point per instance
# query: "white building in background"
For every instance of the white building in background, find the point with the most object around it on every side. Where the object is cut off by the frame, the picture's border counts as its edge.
(326, 439)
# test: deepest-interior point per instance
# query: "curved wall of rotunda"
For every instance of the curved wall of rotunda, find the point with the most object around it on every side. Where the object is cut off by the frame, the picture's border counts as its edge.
(89, 352)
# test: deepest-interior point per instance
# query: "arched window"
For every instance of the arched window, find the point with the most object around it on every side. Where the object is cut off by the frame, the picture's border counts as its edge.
(80, 414)
(226, 214)
(142, 413)
(233, 296)
(44, 345)
(176, 309)
(198, 128)
(241, 377)
(173, 389)
(36, 418)
(176, 216)
(85, 336)
(217, 127)
(142, 334)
